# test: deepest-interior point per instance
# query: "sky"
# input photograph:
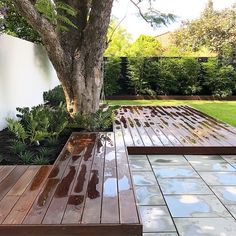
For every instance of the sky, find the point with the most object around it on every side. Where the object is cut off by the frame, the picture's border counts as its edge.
(184, 9)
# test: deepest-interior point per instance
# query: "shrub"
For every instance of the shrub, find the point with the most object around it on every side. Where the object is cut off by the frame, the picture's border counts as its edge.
(100, 121)
(26, 157)
(17, 146)
(220, 80)
(137, 76)
(112, 71)
(188, 78)
(39, 123)
(55, 96)
(165, 77)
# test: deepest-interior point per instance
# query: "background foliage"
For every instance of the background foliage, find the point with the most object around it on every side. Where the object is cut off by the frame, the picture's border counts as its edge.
(13, 24)
(173, 76)
(215, 30)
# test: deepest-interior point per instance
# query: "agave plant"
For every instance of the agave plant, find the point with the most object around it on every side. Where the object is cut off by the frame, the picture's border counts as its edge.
(17, 146)
(26, 157)
(40, 160)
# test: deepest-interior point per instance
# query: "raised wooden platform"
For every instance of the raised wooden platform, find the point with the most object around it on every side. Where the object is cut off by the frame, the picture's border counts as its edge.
(173, 130)
(87, 192)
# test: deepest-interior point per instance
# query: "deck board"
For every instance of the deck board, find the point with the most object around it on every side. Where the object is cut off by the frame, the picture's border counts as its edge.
(110, 201)
(11, 179)
(93, 202)
(5, 171)
(125, 186)
(180, 130)
(24, 203)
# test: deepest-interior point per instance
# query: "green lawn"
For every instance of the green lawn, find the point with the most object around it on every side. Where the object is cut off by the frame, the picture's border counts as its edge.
(222, 110)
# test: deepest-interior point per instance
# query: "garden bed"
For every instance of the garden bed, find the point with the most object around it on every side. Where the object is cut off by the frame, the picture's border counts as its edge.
(9, 158)
(39, 133)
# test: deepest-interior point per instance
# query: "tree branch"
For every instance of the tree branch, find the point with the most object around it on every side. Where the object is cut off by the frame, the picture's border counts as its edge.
(139, 10)
(34, 18)
(97, 26)
(46, 31)
(153, 16)
(114, 30)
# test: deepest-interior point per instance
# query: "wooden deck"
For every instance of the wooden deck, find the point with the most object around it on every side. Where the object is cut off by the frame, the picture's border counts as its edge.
(173, 130)
(88, 191)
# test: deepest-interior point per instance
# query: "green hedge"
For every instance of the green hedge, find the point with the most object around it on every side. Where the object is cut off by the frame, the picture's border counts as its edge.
(162, 76)
(180, 76)
(112, 71)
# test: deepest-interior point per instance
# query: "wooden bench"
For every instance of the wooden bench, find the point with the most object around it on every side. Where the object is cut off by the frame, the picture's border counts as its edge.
(88, 191)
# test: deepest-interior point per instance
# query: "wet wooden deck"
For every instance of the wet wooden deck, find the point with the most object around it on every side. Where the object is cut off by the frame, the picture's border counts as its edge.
(173, 130)
(88, 191)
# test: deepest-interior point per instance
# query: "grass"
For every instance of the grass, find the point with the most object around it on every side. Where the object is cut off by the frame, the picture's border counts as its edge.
(221, 110)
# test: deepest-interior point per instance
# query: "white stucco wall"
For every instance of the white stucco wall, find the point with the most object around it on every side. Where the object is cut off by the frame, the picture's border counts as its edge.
(25, 73)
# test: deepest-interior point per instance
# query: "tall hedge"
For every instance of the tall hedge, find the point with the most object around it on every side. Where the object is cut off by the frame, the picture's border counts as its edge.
(112, 72)
(181, 76)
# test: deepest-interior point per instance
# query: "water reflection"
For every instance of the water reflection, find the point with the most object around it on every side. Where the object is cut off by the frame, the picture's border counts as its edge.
(109, 187)
(81, 179)
(123, 183)
(48, 191)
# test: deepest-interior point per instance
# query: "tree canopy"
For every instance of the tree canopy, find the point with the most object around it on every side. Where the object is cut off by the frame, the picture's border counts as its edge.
(215, 29)
(146, 46)
(12, 23)
(119, 40)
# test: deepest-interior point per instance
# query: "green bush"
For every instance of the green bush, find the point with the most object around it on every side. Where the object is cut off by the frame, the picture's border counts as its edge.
(112, 71)
(100, 121)
(55, 96)
(173, 76)
(220, 80)
(166, 79)
(188, 77)
(38, 124)
(183, 76)
(165, 76)
(137, 76)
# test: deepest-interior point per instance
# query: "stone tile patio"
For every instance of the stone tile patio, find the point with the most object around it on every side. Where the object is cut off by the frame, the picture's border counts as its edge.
(186, 195)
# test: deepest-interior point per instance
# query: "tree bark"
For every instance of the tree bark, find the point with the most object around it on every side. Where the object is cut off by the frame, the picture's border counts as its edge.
(77, 54)
(83, 94)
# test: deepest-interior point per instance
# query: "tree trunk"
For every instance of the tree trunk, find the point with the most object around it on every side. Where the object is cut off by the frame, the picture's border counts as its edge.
(76, 54)
(89, 89)
(83, 91)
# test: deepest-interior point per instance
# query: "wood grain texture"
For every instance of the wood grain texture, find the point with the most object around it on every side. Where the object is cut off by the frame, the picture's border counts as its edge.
(23, 205)
(171, 127)
(11, 179)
